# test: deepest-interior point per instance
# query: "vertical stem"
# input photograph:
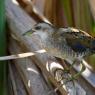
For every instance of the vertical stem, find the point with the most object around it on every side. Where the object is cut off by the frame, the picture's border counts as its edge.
(2, 48)
(68, 11)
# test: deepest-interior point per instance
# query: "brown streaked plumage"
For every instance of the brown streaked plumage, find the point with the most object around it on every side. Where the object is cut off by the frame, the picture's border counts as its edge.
(66, 43)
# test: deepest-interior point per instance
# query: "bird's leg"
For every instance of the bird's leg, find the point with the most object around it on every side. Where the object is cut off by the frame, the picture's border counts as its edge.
(71, 66)
(79, 73)
(76, 61)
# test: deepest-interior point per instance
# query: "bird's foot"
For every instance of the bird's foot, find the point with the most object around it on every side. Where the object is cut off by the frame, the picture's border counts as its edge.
(77, 61)
(75, 76)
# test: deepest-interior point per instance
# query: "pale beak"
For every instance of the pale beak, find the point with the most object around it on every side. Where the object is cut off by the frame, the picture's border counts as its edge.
(29, 32)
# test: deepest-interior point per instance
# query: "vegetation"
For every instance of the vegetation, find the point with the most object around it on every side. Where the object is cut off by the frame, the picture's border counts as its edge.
(3, 84)
(72, 13)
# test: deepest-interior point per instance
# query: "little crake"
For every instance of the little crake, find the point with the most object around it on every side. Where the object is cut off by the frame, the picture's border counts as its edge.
(65, 43)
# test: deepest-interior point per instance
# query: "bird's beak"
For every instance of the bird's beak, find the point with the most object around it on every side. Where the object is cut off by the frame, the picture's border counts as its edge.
(29, 32)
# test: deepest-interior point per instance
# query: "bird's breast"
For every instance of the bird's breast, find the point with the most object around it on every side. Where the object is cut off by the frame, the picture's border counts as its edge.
(60, 50)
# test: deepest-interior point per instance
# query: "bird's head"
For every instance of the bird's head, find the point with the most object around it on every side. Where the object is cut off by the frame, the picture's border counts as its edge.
(42, 29)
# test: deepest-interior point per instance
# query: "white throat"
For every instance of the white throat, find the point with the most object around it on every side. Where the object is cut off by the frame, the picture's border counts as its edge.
(43, 35)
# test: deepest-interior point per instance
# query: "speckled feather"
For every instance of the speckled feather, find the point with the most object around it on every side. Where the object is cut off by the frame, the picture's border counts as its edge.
(70, 43)
(67, 43)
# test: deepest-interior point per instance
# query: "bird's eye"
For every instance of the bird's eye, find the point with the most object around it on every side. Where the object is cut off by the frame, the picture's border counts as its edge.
(38, 27)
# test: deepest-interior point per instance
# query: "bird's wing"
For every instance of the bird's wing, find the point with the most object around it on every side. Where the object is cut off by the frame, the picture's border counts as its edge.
(77, 40)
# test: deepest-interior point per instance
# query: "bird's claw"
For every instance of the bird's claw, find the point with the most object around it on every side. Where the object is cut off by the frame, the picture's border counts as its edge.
(74, 77)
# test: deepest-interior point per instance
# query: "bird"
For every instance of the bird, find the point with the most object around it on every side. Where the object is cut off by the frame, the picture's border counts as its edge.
(66, 43)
